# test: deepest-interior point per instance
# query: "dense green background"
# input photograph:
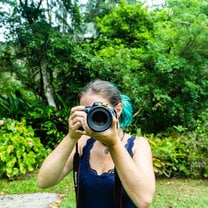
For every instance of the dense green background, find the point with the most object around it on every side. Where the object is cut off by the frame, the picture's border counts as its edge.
(156, 56)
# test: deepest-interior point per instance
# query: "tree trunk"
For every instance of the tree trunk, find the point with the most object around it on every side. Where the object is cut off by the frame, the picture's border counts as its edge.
(48, 90)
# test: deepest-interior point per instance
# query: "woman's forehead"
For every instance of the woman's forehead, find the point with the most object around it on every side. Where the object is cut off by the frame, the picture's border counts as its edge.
(88, 99)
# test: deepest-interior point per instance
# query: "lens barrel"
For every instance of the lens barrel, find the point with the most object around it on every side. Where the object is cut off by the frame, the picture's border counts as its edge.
(99, 118)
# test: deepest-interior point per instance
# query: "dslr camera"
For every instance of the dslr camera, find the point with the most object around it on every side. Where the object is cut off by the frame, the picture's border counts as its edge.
(99, 116)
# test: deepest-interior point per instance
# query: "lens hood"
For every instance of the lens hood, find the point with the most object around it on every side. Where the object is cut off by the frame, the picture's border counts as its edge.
(99, 118)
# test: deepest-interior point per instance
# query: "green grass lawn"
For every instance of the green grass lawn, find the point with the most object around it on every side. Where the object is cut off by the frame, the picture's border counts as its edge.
(178, 193)
(181, 193)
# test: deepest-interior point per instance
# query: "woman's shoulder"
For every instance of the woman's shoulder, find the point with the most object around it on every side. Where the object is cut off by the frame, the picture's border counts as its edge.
(141, 143)
(137, 139)
(141, 139)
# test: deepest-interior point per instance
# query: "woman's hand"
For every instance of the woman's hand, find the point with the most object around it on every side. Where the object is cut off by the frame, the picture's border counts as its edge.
(78, 126)
(76, 121)
(108, 137)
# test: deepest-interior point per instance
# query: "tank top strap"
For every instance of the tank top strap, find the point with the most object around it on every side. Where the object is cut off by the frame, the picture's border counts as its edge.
(129, 145)
(88, 147)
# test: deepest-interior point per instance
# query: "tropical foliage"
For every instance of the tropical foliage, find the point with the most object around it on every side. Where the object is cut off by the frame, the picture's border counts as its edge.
(20, 150)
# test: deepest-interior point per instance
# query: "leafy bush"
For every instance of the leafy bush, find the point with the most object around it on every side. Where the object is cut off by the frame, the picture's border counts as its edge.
(20, 150)
(49, 124)
(13, 107)
(183, 153)
(198, 142)
(170, 155)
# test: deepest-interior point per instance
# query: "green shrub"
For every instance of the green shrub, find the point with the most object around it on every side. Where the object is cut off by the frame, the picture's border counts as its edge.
(170, 155)
(183, 153)
(198, 141)
(13, 107)
(20, 150)
(49, 124)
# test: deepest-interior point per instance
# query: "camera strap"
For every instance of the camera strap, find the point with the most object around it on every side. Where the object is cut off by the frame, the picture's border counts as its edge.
(117, 191)
(76, 171)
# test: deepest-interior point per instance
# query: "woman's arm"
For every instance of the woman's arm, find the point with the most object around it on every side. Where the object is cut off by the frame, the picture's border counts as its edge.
(136, 174)
(60, 161)
(57, 164)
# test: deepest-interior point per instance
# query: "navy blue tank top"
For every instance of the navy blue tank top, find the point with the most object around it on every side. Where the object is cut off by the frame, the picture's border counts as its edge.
(97, 191)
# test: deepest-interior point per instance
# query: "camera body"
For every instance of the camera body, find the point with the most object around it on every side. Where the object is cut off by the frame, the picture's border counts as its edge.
(99, 116)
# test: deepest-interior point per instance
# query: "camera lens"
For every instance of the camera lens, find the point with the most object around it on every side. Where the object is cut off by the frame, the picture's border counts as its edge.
(99, 118)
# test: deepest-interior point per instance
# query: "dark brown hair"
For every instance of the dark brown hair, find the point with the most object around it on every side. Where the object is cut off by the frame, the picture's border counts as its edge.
(104, 88)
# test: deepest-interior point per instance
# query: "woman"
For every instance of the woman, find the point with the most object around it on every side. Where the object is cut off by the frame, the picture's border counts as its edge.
(104, 156)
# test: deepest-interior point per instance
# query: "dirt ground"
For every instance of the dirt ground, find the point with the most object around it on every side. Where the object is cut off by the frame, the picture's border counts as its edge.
(36, 200)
